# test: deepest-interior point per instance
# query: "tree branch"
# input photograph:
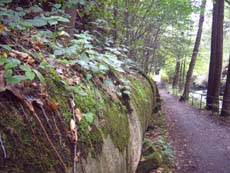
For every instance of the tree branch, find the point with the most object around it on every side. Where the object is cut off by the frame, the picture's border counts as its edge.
(228, 2)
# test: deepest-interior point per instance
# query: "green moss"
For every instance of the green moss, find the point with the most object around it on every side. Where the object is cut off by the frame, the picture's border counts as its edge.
(155, 157)
(90, 141)
(58, 93)
(26, 151)
(96, 139)
(142, 99)
(116, 121)
(30, 152)
(87, 102)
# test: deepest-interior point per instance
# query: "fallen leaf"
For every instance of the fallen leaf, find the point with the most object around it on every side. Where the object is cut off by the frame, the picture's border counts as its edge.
(30, 60)
(72, 103)
(43, 91)
(70, 81)
(2, 81)
(73, 131)
(53, 105)
(25, 57)
(1, 28)
(89, 128)
(78, 114)
(4, 54)
(21, 54)
(59, 71)
(61, 33)
(77, 80)
(72, 125)
(38, 43)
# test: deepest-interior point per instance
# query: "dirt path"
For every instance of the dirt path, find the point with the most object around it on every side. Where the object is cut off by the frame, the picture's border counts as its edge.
(200, 144)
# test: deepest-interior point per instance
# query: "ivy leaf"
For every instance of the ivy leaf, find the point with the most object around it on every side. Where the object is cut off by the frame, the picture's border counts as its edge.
(25, 68)
(59, 52)
(30, 75)
(103, 68)
(37, 21)
(2, 60)
(89, 117)
(39, 75)
(89, 76)
(11, 63)
(5, 1)
(6, 47)
(8, 73)
(109, 83)
(15, 79)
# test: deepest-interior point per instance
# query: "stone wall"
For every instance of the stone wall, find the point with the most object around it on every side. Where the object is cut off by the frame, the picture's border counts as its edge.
(111, 144)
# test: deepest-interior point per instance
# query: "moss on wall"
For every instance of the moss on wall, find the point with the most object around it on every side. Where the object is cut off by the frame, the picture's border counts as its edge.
(143, 99)
(27, 147)
(116, 125)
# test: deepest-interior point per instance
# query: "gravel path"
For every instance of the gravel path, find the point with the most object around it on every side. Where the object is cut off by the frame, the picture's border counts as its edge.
(200, 144)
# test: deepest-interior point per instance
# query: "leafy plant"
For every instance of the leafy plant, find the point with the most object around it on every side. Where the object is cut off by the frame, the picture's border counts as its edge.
(12, 72)
(89, 117)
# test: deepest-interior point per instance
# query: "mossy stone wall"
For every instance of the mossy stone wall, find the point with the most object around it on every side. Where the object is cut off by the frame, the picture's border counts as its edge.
(111, 144)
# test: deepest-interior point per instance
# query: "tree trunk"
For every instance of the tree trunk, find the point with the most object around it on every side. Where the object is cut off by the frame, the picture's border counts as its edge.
(216, 57)
(181, 76)
(225, 111)
(115, 6)
(187, 86)
(184, 70)
(70, 26)
(176, 74)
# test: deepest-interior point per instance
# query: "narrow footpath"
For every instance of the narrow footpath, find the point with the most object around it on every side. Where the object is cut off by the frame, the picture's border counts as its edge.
(200, 144)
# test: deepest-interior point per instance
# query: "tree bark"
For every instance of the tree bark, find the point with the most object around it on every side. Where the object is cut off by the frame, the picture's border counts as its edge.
(216, 57)
(181, 76)
(225, 111)
(176, 74)
(185, 95)
(70, 26)
(115, 6)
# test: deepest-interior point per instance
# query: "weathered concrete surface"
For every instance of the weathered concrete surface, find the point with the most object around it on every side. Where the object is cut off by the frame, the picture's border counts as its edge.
(112, 144)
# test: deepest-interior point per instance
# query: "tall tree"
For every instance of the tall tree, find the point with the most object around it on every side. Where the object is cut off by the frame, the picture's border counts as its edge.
(187, 86)
(71, 11)
(225, 111)
(216, 56)
(176, 74)
(115, 6)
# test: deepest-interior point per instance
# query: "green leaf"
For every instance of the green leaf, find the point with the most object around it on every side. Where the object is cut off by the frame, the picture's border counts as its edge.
(6, 47)
(59, 52)
(16, 79)
(76, 89)
(11, 63)
(109, 83)
(25, 68)
(30, 75)
(37, 21)
(89, 117)
(43, 64)
(5, 1)
(8, 73)
(89, 76)
(39, 75)
(103, 68)
(2, 60)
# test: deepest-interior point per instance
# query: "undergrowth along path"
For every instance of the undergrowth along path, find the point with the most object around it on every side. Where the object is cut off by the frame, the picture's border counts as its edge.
(200, 144)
